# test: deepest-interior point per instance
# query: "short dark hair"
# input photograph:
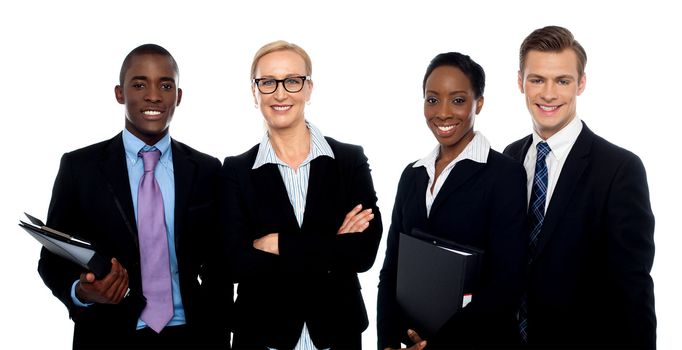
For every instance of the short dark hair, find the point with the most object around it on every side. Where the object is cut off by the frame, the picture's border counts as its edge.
(552, 39)
(471, 69)
(152, 49)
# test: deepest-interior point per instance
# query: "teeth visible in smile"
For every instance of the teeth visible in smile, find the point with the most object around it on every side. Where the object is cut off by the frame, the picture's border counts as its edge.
(151, 112)
(445, 127)
(548, 108)
(281, 108)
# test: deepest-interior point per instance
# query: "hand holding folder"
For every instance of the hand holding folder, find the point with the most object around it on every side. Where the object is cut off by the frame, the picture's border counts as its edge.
(109, 290)
(436, 278)
(100, 284)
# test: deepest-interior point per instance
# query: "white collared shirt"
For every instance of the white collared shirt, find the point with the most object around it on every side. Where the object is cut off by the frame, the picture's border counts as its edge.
(477, 150)
(560, 145)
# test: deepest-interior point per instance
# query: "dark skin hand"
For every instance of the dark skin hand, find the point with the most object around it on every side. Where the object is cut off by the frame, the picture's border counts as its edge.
(419, 344)
(109, 290)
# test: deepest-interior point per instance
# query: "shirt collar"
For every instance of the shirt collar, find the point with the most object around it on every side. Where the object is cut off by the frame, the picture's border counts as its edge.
(134, 145)
(476, 150)
(561, 142)
(318, 147)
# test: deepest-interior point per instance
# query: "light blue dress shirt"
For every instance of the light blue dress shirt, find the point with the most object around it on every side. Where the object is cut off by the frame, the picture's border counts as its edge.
(165, 177)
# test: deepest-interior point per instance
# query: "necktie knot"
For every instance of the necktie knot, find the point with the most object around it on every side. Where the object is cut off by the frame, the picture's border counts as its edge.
(543, 150)
(150, 159)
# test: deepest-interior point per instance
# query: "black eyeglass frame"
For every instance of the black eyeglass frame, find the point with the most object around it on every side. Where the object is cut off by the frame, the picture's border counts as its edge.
(281, 81)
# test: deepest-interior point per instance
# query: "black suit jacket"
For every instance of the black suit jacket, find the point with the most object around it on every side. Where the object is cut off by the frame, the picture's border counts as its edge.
(589, 284)
(91, 199)
(481, 205)
(314, 278)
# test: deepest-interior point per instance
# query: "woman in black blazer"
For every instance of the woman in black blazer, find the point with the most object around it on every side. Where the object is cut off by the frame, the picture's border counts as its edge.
(465, 192)
(301, 218)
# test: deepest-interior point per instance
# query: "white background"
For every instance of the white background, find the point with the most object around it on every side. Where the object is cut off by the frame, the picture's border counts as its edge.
(59, 62)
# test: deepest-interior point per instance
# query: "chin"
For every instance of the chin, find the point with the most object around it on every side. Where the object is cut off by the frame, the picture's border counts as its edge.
(282, 122)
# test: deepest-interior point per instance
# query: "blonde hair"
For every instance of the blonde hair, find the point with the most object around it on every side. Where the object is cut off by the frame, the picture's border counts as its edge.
(281, 45)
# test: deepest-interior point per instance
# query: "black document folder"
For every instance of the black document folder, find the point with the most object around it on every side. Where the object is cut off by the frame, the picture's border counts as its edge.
(68, 247)
(436, 278)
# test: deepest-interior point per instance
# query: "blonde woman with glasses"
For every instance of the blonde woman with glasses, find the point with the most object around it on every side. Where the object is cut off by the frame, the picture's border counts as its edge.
(301, 217)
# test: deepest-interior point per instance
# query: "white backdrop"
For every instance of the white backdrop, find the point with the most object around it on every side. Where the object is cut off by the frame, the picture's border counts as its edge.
(59, 62)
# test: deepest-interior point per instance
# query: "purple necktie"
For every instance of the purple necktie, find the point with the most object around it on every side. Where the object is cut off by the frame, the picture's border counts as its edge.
(151, 227)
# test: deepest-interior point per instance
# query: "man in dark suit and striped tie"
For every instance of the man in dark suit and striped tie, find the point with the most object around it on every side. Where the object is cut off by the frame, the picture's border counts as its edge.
(591, 225)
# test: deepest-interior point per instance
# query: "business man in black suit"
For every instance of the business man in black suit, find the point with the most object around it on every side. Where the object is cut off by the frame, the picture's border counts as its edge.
(588, 283)
(94, 197)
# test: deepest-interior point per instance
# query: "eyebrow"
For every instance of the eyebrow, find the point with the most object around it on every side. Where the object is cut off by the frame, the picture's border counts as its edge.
(449, 93)
(287, 76)
(566, 76)
(142, 77)
(563, 76)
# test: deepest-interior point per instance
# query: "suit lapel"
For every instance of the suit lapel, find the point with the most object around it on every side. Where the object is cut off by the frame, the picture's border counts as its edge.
(271, 197)
(460, 174)
(319, 193)
(520, 154)
(114, 171)
(183, 173)
(574, 167)
(421, 182)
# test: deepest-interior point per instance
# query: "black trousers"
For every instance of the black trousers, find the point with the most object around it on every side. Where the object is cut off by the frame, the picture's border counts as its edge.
(254, 342)
(172, 337)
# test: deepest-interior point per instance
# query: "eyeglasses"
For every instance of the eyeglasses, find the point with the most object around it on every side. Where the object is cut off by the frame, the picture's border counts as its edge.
(291, 84)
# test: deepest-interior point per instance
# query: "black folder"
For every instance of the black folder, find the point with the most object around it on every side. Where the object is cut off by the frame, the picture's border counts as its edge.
(69, 247)
(435, 278)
